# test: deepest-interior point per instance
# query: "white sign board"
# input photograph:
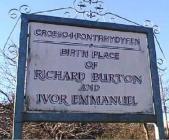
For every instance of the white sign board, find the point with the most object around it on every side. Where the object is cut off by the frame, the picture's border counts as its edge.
(86, 70)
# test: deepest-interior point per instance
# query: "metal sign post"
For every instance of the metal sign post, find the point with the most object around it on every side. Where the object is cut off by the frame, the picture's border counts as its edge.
(85, 71)
(19, 98)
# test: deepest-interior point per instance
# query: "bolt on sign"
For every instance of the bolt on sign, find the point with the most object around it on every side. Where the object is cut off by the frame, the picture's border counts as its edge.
(88, 70)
